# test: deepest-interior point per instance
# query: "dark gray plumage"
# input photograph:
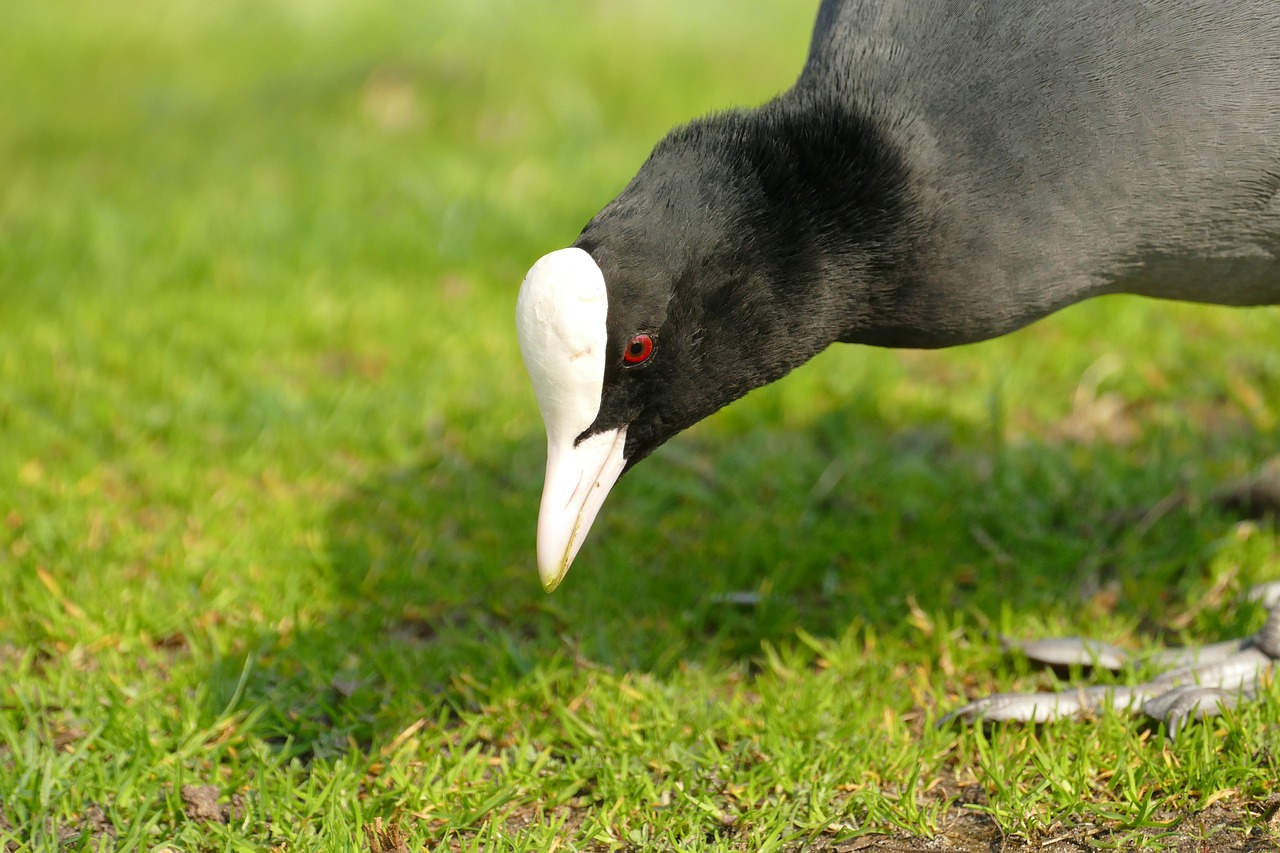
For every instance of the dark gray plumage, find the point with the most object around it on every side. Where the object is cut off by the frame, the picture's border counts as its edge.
(1060, 151)
(1057, 151)
(942, 172)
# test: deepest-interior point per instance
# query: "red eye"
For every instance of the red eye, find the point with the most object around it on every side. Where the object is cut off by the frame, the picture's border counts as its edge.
(638, 349)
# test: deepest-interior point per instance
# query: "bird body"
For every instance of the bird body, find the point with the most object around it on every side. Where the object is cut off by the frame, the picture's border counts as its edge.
(1057, 151)
(942, 172)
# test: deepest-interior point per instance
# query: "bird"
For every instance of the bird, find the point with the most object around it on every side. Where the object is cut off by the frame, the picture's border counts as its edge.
(941, 172)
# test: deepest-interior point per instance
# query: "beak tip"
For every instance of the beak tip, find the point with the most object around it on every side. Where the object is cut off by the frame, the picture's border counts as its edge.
(578, 479)
(551, 579)
(553, 561)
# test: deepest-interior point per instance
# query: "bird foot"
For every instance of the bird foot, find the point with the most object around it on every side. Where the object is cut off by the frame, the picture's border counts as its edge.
(1198, 682)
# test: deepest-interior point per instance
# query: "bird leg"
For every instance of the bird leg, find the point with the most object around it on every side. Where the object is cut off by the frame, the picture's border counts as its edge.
(1198, 682)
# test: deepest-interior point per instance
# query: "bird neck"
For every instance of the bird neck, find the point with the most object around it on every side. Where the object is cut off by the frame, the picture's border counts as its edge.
(831, 221)
(836, 221)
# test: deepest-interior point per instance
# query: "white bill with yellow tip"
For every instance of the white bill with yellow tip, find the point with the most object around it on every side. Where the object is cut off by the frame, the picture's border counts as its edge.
(560, 320)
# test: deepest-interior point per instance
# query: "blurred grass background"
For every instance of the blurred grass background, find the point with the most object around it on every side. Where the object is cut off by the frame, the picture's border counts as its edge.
(269, 471)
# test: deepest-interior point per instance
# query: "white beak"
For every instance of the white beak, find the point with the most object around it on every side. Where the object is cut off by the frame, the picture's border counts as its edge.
(560, 319)
(578, 480)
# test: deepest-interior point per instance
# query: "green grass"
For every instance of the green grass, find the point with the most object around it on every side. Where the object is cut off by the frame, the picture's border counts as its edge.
(269, 472)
